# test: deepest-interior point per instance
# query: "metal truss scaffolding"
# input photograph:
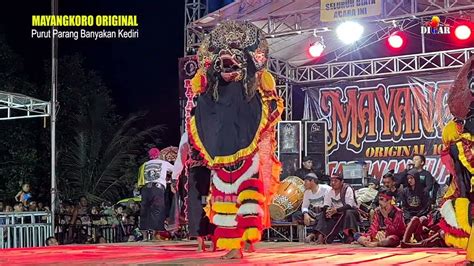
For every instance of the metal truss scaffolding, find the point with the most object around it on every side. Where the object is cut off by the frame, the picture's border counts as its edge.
(17, 106)
(193, 10)
(307, 19)
(290, 23)
(379, 67)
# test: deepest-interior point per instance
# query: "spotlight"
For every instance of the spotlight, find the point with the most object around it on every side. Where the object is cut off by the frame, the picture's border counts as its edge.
(316, 49)
(395, 40)
(349, 32)
(462, 32)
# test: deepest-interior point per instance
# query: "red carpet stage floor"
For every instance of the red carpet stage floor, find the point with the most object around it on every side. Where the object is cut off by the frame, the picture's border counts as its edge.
(267, 253)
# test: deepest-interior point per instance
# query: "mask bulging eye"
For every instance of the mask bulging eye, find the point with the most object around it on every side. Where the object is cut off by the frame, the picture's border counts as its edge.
(234, 44)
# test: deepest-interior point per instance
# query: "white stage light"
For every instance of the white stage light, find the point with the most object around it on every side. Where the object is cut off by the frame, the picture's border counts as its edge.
(349, 32)
(316, 49)
(462, 32)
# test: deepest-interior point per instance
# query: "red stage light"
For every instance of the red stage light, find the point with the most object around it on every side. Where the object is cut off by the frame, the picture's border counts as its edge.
(316, 49)
(462, 32)
(395, 40)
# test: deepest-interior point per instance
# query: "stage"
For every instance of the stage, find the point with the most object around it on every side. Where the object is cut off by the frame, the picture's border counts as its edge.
(183, 252)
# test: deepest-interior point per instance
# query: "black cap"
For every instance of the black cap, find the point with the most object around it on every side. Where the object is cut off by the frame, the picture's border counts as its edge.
(311, 176)
(307, 158)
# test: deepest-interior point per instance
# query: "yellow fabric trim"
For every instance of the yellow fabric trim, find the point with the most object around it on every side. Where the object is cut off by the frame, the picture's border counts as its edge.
(141, 176)
(463, 159)
(461, 207)
(450, 192)
(267, 81)
(225, 207)
(222, 160)
(451, 133)
(229, 243)
(196, 82)
(457, 242)
(252, 235)
(470, 246)
(250, 195)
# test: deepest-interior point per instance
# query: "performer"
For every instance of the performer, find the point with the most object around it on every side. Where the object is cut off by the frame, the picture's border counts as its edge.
(458, 157)
(341, 215)
(233, 129)
(388, 225)
(152, 181)
(198, 185)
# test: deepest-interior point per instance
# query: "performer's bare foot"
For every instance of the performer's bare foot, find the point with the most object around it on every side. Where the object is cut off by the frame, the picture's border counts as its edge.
(213, 246)
(309, 238)
(249, 247)
(233, 254)
(320, 240)
(201, 244)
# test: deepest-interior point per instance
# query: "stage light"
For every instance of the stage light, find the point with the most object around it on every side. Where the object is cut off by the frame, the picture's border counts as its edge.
(395, 40)
(462, 32)
(349, 32)
(316, 49)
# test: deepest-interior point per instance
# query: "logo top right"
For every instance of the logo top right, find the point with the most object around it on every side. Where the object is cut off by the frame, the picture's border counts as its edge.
(434, 26)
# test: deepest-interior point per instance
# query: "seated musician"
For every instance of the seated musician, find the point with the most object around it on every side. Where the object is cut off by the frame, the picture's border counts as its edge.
(313, 201)
(307, 167)
(390, 186)
(340, 213)
(388, 225)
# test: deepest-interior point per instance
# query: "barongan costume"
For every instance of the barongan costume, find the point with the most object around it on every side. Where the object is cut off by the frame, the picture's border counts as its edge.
(458, 157)
(233, 129)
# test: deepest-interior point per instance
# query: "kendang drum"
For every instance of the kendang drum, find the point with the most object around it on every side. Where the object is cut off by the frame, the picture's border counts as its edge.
(288, 198)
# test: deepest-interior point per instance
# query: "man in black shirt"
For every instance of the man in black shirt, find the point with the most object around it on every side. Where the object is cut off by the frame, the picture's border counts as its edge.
(427, 180)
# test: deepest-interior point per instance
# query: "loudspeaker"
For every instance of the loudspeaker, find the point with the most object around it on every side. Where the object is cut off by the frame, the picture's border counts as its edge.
(289, 146)
(315, 136)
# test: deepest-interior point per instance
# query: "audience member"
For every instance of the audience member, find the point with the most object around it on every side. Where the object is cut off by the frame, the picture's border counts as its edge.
(24, 195)
(307, 167)
(313, 202)
(51, 241)
(414, 199)
(340, 213)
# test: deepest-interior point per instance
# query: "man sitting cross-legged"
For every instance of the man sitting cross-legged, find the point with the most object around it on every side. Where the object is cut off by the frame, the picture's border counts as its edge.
(340, 213)
(313, 201)
(388, 225)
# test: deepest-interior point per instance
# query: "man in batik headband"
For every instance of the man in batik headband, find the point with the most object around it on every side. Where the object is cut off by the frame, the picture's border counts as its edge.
(387, 226)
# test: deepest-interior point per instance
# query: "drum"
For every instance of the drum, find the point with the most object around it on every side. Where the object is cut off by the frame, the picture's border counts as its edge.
(288, 198)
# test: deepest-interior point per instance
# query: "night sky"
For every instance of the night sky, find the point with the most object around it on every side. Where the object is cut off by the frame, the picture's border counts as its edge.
(141, 73)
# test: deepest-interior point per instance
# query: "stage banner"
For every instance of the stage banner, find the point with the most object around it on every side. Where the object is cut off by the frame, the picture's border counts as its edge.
(187, 69)
(335, 10)
(383, 122)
